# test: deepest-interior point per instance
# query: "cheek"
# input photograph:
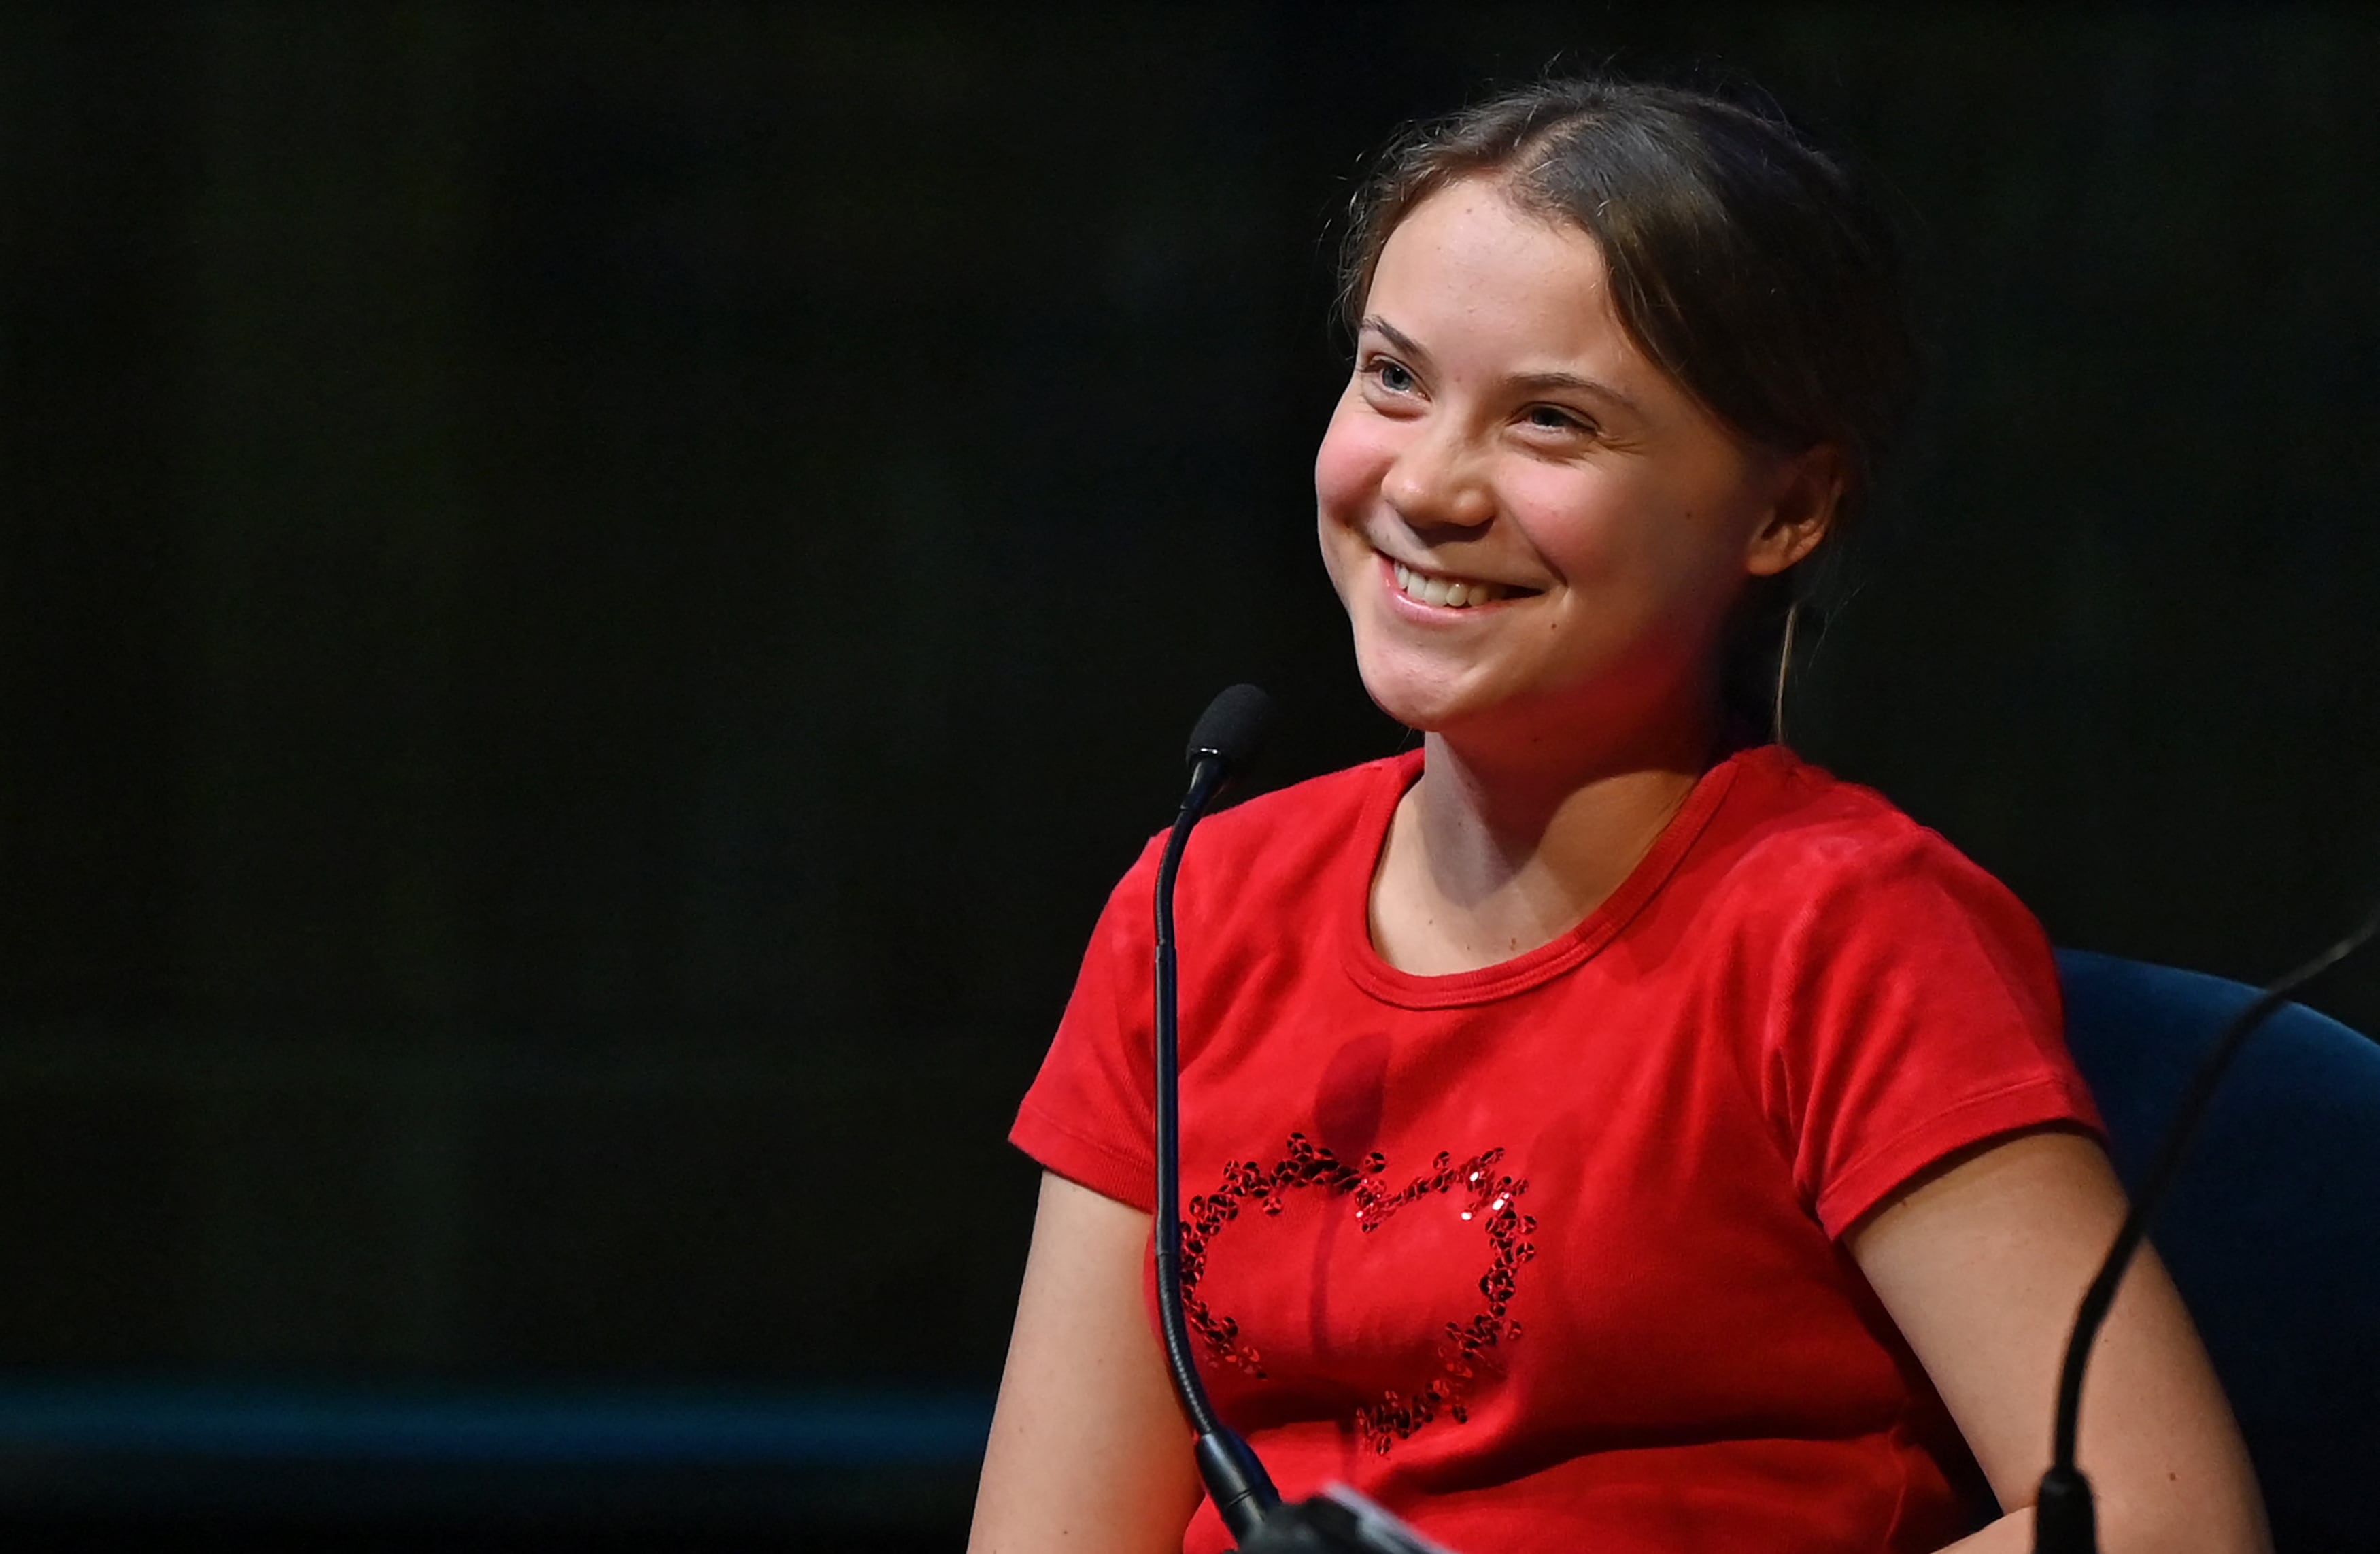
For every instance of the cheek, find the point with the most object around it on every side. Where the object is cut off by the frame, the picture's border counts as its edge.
(1349, 464)
(1601, 527)
(1580, 519)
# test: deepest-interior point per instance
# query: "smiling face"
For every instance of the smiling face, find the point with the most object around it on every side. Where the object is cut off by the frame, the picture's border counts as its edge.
(1537, 534)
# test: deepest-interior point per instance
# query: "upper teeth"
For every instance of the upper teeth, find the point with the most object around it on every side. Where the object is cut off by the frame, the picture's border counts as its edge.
(1456, 592)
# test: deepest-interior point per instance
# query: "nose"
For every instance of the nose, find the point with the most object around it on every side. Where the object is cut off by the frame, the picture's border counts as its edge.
(1439, 480)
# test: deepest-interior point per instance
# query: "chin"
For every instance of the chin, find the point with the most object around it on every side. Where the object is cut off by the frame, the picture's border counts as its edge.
(1442, 700)
(1428, 702)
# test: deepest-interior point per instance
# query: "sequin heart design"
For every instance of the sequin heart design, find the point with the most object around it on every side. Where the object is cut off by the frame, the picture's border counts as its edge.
(1491, 1201)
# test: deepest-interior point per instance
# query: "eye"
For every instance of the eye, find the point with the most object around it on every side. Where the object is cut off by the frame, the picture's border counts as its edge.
(1553, 417)
(1391, 375)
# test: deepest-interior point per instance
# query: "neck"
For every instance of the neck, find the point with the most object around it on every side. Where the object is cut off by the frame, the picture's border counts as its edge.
(1483, 812)
(1499, 849)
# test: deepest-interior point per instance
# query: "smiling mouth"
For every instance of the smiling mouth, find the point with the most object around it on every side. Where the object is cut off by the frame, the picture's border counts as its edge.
(1453, 593)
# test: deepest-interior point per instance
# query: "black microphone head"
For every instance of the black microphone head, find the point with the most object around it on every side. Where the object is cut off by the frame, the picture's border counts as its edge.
(1233, 726)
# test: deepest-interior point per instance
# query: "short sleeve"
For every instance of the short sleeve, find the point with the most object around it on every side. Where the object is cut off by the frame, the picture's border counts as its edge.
(1089, 1115)
(1912, 1011)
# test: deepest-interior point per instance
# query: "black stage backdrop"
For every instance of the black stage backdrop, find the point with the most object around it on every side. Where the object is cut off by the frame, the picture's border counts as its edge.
(591, 598)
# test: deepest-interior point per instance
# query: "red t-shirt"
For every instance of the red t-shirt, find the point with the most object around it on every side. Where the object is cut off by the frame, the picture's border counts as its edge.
(1547, 1256)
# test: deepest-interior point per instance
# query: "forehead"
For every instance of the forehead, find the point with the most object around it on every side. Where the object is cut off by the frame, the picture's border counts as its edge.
(1469, 261)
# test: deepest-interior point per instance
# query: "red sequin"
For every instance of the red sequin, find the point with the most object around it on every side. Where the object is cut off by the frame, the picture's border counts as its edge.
(1392, 1416)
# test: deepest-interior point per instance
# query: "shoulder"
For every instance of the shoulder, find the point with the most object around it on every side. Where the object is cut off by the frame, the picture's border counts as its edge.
(1792, 846)
(1291, 837)
(1339, 798)
(1283, 845)
(1894, 1001)
(1786, 816)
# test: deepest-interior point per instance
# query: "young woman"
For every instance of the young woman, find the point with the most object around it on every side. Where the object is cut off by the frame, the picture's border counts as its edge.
(1606, 1131)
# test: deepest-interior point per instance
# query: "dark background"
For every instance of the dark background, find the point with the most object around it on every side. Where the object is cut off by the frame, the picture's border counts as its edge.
(591, 598)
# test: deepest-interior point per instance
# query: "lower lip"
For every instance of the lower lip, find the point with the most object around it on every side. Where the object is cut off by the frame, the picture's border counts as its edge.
(1414, 609)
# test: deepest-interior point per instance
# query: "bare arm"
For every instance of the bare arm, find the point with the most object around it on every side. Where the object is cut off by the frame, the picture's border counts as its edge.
(1982, 1267)
(1088, 1448)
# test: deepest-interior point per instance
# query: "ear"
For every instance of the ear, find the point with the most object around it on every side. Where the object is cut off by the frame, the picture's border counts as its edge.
(1809, 489)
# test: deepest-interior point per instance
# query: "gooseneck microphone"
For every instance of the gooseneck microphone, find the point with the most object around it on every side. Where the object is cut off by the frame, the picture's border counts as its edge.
(1338, 1520)
(1229, 732)
(2065, 1518)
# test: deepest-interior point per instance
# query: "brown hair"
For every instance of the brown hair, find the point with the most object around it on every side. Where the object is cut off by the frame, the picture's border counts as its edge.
(1743, 261)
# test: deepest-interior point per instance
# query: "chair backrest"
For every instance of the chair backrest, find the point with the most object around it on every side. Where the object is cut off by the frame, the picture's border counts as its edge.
(2272, 1230)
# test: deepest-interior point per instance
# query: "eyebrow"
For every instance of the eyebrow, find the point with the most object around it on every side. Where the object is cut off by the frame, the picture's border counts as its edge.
(1541, 382)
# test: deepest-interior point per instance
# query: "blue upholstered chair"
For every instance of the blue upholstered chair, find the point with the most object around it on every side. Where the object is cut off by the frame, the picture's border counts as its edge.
(2272, 1230)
